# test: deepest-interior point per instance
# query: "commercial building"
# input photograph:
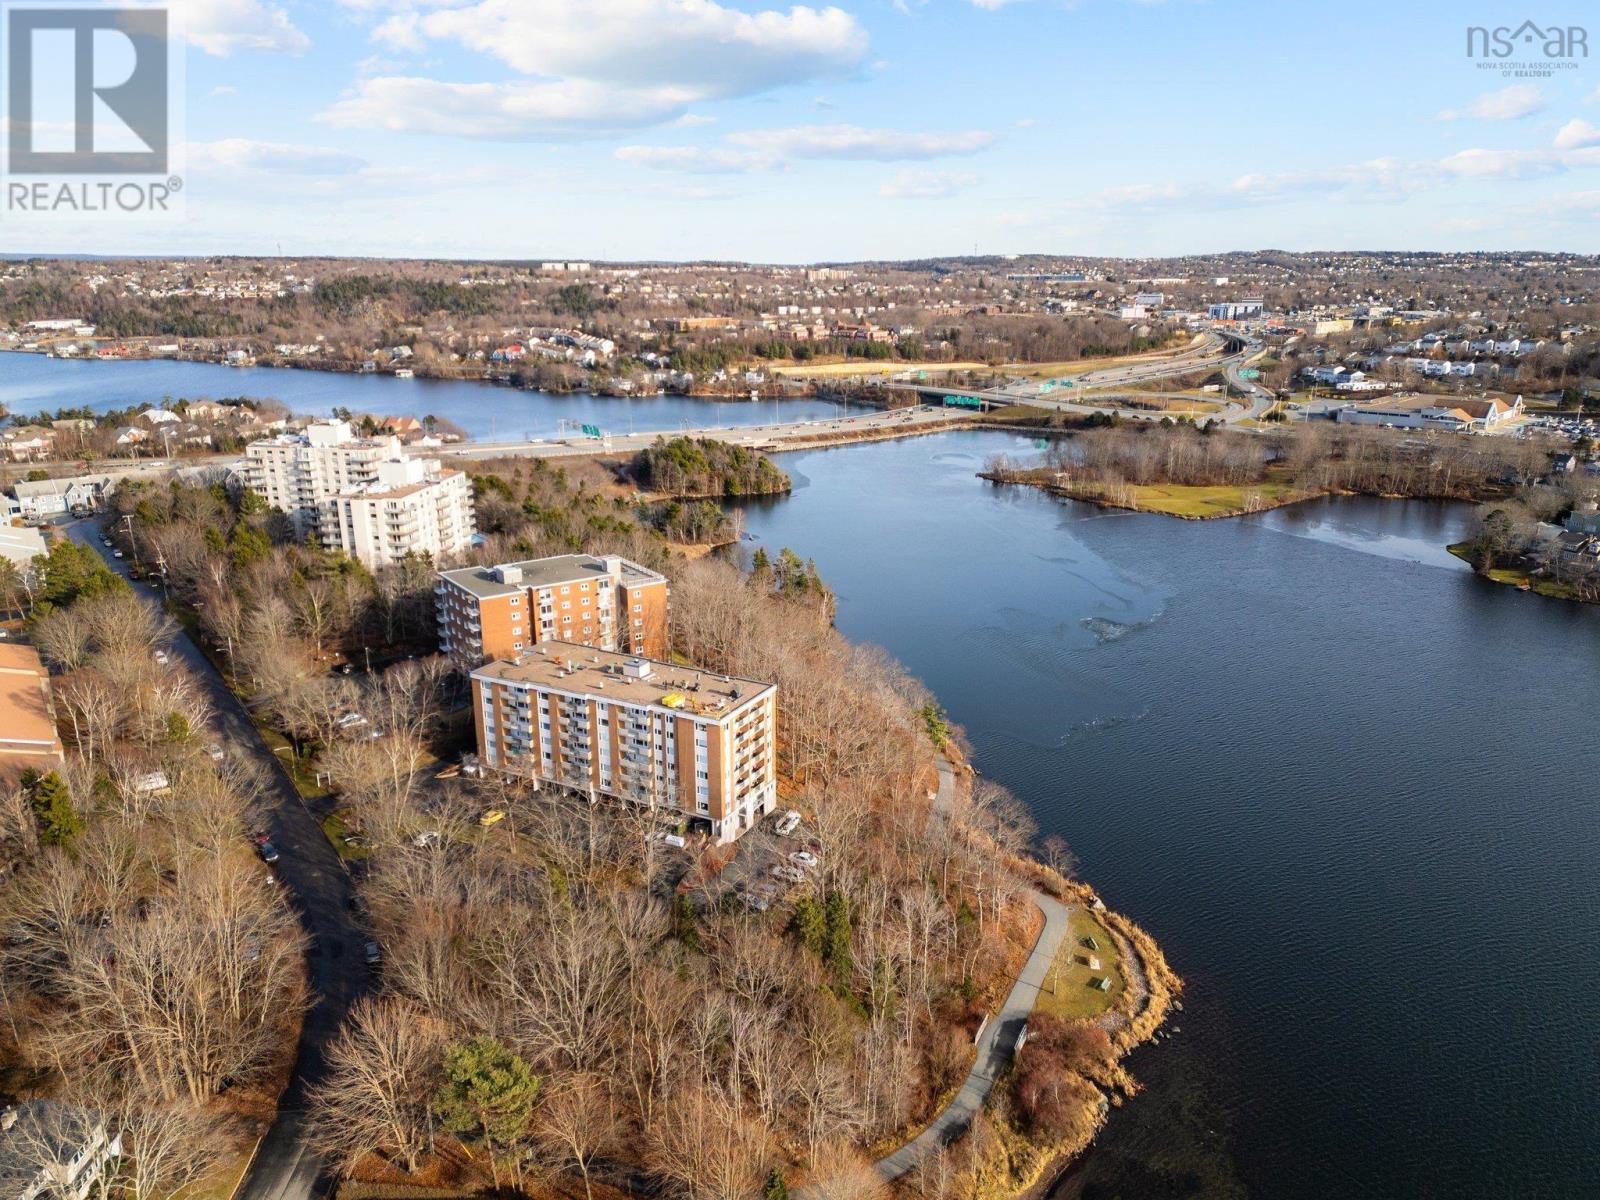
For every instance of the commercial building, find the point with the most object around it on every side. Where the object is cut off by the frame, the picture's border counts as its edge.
(608, 603)
(28, 735)
(1434, 412)
(53, 1151)
(664, 737)
(365, 495)
(1235, 310)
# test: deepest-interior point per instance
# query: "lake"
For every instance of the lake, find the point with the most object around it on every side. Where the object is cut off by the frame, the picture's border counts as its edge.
(30, 383)
(1349, 787)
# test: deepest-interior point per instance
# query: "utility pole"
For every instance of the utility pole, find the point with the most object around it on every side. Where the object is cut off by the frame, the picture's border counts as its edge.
(133, 542)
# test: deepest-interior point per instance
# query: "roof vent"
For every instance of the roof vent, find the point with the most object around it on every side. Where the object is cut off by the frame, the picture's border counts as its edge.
(508, 574)
(636, 668)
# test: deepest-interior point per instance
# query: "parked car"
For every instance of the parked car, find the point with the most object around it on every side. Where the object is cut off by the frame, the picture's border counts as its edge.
(789, 874)
(162, 658)
(373, 954)
(116, 554)
(493, 817)
(214, 751)
(428, 837)
(805, 860)
(787, 824)
(269, 852)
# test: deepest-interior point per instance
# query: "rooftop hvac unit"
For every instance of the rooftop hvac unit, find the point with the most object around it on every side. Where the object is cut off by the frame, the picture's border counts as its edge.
(508, 574)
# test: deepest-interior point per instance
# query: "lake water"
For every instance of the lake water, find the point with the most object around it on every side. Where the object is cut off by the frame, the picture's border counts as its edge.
(1349, 787)
(30, 383)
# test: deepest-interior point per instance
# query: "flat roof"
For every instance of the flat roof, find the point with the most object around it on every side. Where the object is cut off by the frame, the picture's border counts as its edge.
(599, 673)
(544, 572)
(26, 718)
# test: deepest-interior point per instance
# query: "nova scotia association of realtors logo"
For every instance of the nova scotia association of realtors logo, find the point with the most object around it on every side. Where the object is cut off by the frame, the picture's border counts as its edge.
(1528, 50)
(89, 113)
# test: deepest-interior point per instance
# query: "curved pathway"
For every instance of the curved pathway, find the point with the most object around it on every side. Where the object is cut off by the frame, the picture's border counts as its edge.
(998, 1044)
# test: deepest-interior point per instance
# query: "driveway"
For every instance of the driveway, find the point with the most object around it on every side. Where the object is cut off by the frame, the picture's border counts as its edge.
(284, 1168)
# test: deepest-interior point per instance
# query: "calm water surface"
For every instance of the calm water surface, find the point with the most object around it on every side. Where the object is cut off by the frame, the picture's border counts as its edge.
(1350, 788)
(30, 383)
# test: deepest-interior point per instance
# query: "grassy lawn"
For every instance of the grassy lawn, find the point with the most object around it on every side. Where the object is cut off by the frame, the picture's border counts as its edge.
(335, 827)
(305, 781)
(1223, 500)
(1519, 578)
(828, 370)
(1066, 992)
(222, 1181)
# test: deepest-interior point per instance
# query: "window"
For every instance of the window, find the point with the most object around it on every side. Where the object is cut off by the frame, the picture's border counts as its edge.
(566, 620)
(516, 600)
(516, 645)
(565, 590)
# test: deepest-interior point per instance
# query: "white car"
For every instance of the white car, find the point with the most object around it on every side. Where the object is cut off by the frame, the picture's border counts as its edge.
(351, 720)
(116, 554)
(161, 658)
(787, 824)
(788, 874)
(428, 837)
(805, 860)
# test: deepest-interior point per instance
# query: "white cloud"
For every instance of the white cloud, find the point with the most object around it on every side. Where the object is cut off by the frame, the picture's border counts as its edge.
(235, 155)
(1576, 147)
(221, 27)
(594, 68)
(694, 120)
(693, 160)
(1576, 134)
(1508, 104)
(694, 44)
(915, 183)
(224, 89)
(854, 142)
(772, 149)
(501, 111)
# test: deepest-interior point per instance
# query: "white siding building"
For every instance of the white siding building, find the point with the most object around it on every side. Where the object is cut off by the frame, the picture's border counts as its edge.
(365, 496)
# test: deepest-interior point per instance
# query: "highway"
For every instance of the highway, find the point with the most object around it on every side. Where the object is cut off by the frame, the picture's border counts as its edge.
(1213, 351)
(863, 426)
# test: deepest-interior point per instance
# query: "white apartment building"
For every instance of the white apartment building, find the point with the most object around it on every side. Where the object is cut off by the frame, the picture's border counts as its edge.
(651, 734)
(411, 507)
(363, 495)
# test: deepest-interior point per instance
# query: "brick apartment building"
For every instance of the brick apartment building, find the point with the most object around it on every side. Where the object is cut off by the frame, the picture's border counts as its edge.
(649, 733)
(497, 612)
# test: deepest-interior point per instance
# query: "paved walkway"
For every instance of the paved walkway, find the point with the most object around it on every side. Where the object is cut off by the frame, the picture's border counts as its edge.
(998, 1045)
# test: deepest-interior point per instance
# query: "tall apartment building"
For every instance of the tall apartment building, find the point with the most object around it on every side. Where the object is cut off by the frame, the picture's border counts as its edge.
(365, 495)
(497, 612)
(661, 736)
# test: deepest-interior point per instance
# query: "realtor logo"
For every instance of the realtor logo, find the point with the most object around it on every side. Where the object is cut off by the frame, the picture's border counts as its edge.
(1527, 49)
(86, 91)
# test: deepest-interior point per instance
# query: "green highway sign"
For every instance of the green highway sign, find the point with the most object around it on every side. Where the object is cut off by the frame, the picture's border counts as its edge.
(962, 402)
(1249, 373)
(592, 431)
(1041, 444)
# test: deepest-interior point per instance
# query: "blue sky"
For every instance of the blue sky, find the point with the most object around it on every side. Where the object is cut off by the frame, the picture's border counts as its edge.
(871, 128)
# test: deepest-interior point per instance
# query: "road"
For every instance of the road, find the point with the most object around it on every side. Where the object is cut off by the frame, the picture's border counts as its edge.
(284, 1168)
(1228, 352)
(864, 425)
(997, 1046)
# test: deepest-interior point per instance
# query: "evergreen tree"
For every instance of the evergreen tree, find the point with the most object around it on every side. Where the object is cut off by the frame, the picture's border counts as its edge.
(59, 822)
(776, 1187)
(488, 1094)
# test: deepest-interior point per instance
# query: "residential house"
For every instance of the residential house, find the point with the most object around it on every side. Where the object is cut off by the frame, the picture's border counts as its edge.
(53, 1151)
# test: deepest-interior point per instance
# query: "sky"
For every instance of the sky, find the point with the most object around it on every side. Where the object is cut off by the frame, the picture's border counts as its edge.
(884, 129)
